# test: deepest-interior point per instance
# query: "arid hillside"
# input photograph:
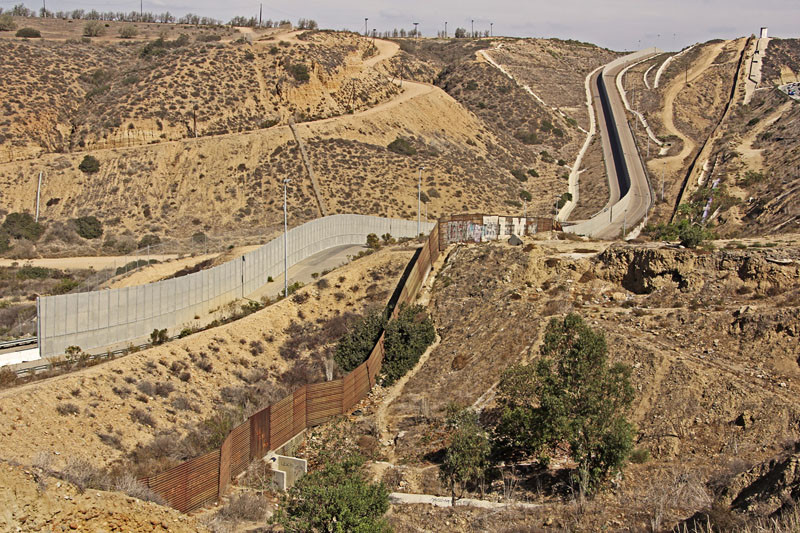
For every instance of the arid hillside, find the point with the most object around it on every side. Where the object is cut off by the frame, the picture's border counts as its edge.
(712, 342)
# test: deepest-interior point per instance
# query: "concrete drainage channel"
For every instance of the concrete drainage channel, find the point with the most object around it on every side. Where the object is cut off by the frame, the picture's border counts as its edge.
(399, 498)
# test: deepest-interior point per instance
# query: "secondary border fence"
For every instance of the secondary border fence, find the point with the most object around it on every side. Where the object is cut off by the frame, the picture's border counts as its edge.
(106, 318)
(203, 480)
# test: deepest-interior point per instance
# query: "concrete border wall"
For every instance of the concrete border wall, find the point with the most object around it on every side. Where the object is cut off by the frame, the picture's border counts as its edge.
(100, 319)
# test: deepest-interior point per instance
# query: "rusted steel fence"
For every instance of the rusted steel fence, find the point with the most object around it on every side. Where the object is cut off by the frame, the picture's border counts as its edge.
(202, 480)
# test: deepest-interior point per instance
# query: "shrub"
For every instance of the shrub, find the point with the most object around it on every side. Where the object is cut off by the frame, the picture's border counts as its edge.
(28, 33)
(570, 395)
(519, 174)
(527, 137)
(22, 226)
(89, 165)
(533, 173)
(299, 72)
(640, 455)
(164, 389)
(5, 242)
(337, 497)
(88, 227)
(148, 240)
(93, 28)
(354, 348)
(402, 146)
(407, 338)
(128, 32)
(65, 409)
(147, 388)
(566, 197)
(244, 506)
(525, 195)
(373, 242)
(142, 417)
(7, 23)
(158, 336)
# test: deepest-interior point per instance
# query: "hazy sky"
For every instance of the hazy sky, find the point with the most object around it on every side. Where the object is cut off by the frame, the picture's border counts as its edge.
(618, 24)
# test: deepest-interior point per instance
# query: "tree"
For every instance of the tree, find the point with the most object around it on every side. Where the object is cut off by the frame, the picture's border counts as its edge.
(336, 498)
(407, 338)
(461, 33)
(467, 456)
(93, 28)
(89, 165)
(88, 227)
(571, 395)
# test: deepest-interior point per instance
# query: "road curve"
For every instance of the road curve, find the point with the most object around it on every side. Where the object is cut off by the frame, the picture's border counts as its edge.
(629, 191)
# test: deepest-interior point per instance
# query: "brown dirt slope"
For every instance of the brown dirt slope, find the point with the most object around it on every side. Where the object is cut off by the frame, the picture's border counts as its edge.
(241, 366)
(711, 339)
(32, 501)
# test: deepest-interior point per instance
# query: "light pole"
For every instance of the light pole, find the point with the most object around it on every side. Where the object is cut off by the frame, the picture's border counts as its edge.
(419, 201)
(285, 243)
(445, 29)
(472, 21)
(416, 31)
(366, 31)
(491, 29)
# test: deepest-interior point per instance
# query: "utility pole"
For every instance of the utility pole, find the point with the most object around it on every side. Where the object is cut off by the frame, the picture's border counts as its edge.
(366, 31)
(491, 29)
(44, 9)
(260, 7)
(445, 29)
(285, 243)
(141, 9)
(419, 201)
(473, 27)
(38, 190)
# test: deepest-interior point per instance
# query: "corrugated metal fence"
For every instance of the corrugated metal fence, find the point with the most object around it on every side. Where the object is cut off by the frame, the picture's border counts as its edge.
(202, 480)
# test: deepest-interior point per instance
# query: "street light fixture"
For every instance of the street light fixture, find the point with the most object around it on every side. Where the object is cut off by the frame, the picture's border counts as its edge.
(285, 242)
(366, 30)
(419, 201)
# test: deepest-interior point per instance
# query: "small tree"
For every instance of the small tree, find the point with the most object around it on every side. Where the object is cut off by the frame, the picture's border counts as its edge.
(89, 165)
(373, 242)
(467, 456)
(93, 28)
(571, 395)
(158, 336)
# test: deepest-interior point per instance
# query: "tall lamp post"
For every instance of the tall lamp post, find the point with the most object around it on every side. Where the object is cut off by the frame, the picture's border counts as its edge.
(366, 31)
(419, 201)
(285, 242)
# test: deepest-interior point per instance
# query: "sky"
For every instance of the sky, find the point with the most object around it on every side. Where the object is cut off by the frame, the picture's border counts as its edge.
(616, 24)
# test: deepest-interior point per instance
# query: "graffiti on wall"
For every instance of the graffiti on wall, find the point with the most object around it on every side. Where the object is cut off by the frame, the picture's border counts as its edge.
(484, 228)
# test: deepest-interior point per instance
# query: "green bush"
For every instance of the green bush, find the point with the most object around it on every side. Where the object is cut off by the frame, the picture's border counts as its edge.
(407, 338)
(354, 348)
(299, 72)
(22, 226)
(338, 497)
(128, 32)
(32, 272)
(532, 173)
(467, 456)
(158, 336)
(571, 395)
(402, 146)
(527, 137)
(525, 195)
(93, 28)
(687, 233)
(373, 242)
(28, 33)
(566, 197)
(5, 241)
(7, 23)
(89, 165)
(88, 227)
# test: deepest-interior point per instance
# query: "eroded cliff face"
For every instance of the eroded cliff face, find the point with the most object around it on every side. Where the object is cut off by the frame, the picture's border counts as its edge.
(643, 270)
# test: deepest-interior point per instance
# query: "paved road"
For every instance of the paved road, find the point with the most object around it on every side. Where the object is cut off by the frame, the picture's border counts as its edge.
(629, 192)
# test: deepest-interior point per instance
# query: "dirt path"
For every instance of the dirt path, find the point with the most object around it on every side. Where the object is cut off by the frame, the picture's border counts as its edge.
(753, 157)
(675, 163)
